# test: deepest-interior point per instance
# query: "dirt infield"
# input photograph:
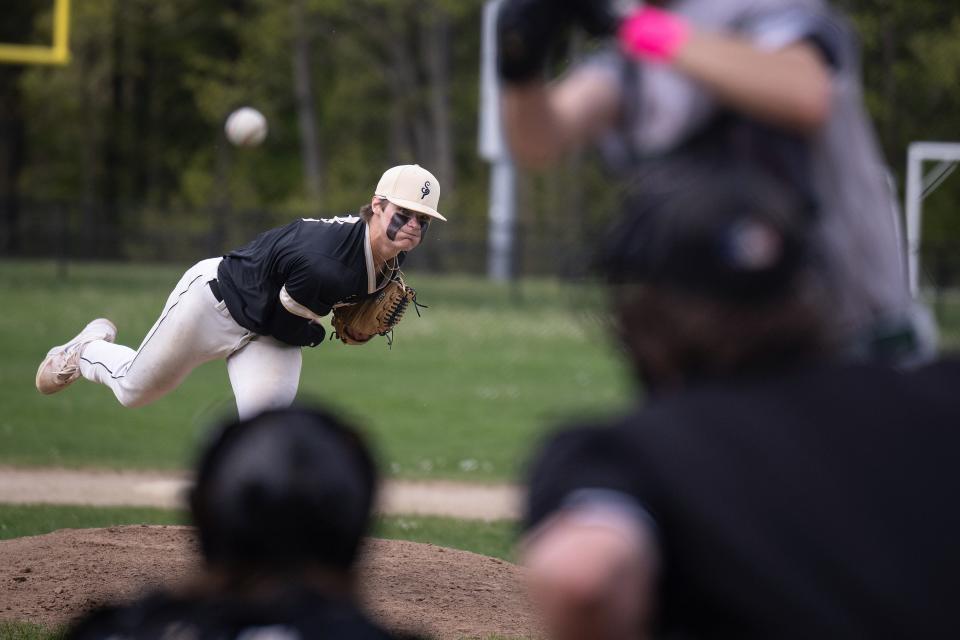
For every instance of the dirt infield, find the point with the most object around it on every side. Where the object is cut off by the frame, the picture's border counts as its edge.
(443, 593)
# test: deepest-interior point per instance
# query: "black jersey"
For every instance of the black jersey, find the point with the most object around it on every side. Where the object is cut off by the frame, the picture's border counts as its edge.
(814, 504)
(294, 614)
(291, 275)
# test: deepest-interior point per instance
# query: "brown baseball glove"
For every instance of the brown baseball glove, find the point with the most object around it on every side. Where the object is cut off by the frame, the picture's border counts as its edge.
(358, 322)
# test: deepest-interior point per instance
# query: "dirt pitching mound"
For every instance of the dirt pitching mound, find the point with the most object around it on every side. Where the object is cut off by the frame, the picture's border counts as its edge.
(444, 593)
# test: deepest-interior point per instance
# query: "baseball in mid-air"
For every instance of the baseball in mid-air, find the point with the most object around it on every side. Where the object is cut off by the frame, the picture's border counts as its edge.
(246, 127)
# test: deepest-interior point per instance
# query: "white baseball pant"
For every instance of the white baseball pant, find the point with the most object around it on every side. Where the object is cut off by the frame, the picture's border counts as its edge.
(195, 328)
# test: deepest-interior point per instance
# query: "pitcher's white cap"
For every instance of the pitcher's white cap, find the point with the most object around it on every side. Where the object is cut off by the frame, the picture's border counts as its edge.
(412, 187)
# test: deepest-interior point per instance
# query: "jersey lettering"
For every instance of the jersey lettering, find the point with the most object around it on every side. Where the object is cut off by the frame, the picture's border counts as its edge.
(335, 220)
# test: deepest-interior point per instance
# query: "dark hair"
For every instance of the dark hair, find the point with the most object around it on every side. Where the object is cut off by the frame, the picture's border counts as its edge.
(286, 490)
(366, 211)
(672, 336)
(709, 273)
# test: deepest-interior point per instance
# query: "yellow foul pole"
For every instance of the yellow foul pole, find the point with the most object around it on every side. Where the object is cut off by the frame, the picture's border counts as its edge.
(57, 53)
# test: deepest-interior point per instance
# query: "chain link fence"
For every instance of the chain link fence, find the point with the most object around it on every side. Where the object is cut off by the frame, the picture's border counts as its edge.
(67, 232)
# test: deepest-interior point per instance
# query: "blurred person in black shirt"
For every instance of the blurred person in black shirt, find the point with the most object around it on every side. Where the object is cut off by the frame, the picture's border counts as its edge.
(281, 504)
(767, 488)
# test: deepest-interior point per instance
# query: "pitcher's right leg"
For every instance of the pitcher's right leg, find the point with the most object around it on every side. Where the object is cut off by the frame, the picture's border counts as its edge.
(264, 374)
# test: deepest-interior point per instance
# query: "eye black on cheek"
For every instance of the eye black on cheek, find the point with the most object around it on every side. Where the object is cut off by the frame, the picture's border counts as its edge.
(396, 223)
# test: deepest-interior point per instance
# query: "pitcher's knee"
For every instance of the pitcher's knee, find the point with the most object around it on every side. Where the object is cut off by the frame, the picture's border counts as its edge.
(251, 405)
(133, 398)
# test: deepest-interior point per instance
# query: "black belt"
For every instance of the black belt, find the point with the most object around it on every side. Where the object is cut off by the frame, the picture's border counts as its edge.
(215, 290)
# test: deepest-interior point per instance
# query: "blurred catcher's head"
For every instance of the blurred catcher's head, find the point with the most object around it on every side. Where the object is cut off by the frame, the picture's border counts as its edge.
(411, 187)
(730, 234)
(287, 490)
(708, 267)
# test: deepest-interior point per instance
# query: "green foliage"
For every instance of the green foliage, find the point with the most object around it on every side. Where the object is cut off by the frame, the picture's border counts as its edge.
(911, 60)
(130, 131)
(463, 393)
(140, 108)
(946, 306)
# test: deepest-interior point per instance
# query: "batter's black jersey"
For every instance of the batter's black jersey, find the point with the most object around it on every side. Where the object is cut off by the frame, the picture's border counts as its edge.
(820, 503)
(296, 614)
(291, 275)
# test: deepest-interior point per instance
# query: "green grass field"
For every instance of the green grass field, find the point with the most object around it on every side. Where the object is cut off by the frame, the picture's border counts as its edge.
(463, 394)
(26, 631)
(495, 538)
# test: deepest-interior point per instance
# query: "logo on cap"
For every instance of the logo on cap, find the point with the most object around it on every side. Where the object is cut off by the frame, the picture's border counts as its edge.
(425, 190)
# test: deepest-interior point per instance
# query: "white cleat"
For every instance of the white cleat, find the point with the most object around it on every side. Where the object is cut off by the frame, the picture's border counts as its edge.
(62, 365)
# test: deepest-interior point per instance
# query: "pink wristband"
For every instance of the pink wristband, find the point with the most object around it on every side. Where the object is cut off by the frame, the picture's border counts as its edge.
(653, 34)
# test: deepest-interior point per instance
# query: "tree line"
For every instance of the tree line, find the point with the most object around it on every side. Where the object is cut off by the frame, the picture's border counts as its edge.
(128, 136)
